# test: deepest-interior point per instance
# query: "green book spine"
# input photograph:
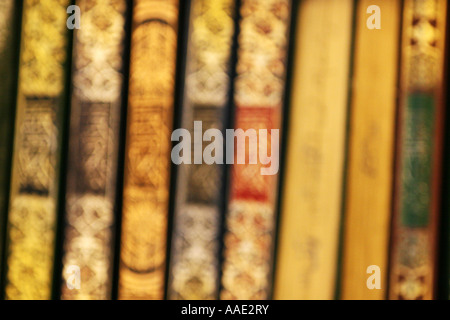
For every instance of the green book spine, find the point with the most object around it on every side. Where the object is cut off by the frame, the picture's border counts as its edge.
(416, 206)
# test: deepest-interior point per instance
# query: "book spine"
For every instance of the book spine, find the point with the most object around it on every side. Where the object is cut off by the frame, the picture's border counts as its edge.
(97, 83)
(37, 146)
(418, 175)
(368, 194)
(147, 154)
(313, 186)
(194, 263)
(258, 99)
(9, 33)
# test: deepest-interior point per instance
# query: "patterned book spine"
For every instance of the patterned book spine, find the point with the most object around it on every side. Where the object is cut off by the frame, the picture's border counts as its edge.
(9, 11)
(418, 164)
(37, 145)
(370, 151)
(258, 98)
(312, 191)
(97, 82)
(195, 248)
(147, 154)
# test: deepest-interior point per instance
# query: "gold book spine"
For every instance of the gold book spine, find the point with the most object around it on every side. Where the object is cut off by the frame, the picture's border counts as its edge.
(258, 98)
(312, 191)
(418, 168)
(147, 154)
(371, 145)
(97, 81)
(36, 155)
(194, 263)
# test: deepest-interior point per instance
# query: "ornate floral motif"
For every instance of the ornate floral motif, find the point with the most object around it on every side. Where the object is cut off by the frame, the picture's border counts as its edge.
(210, 40)
(262, 52)
(44, 51)
(88, 245)
(422, 52)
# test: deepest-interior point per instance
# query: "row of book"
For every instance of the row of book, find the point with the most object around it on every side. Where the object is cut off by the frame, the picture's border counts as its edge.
(357, 210)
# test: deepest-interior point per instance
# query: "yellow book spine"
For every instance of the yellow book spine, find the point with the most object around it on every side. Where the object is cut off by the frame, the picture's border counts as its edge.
(36, 155)
(312, 192)
(371, 146)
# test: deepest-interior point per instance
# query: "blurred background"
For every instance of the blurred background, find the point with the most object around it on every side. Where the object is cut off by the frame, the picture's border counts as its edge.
(93, 208)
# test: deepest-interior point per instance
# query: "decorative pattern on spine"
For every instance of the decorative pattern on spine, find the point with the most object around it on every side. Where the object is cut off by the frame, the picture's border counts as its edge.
(35, 173)
(259, 95)
(147, 158)
(312, 191)
(8, 70)
(97, 80)
(420, 141)
(195, 248)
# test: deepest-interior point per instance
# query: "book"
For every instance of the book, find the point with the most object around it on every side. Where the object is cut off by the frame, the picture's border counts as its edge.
(96, 107)
(419, 142)
(258, 100)
(368, 192)
(194, 263)
(147, 152)
(9, 44)
(41, 104)
(311, 206)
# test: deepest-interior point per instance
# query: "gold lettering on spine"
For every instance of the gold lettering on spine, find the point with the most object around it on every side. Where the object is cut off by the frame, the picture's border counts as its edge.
(195, 246)
(260, 87)
(96, 104)
(34, 186)
(147, 158)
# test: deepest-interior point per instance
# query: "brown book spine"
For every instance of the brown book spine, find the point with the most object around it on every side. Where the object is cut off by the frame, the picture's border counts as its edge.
(194, 264)
(147, 154)
(97, 82)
